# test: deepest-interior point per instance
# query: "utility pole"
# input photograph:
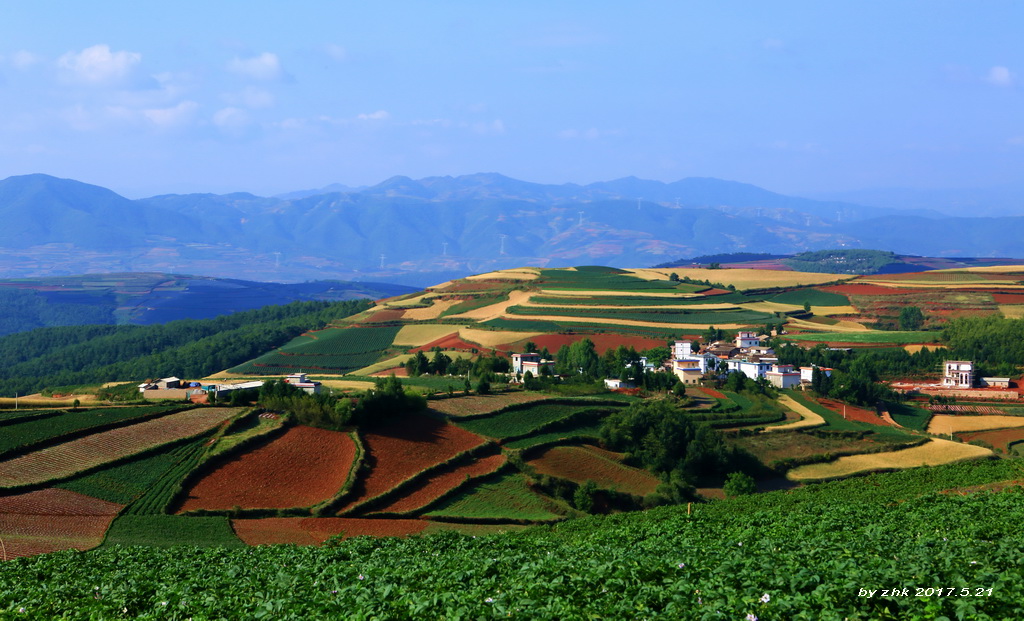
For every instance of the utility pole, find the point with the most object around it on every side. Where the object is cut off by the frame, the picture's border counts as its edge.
(503, 243)
(444, 252)
(381, 261)
(581, 218)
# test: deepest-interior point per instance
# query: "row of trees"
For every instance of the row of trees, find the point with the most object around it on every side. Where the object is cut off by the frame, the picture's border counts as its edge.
(386, 400)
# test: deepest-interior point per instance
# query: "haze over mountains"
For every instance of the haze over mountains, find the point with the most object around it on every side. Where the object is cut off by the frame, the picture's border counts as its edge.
(427, 230)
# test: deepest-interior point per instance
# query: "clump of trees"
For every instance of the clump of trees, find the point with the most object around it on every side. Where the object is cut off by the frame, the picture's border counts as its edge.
(660, 437)
(386, 400)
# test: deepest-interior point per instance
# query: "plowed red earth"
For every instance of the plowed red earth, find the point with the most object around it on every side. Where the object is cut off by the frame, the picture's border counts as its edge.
(405, 447)
(314, 531)
(1008, 298)
(298, 469)
(587, 463)
(857, 289)
(396, 371)
(442, 483)
(452, 341)
(997, 438)
(391, 314)
(711, 392)
(602, 342)
(853, 412)
(53, 519)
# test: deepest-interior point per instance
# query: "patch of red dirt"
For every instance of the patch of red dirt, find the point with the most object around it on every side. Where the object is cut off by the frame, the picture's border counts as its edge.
(602, 342)
(863, 289)
(711, 392)
(314, 531)
(997, 438)
(304, 466)
(853, 412)
(53, 519)
(407, 446)
(384, 316)
(1008, 298)
(396, 371)
(452, 341)
(443, 482)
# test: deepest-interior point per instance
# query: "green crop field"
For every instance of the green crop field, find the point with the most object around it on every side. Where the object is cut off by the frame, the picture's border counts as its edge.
(18, 435)
(815, 297)
(878, 336)
(602, 280)
(123, 483)
(910, 416)
(171, 530)
(584, 429)
(627, 301)
(701, 317)
(810, 553)
(501, 497)
(531, 417)
(15, 416)
(335, 350)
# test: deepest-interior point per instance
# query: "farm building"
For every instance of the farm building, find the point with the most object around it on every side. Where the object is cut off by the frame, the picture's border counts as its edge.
(683, 351)
(753, 368)
(783, 376)
(299, 380)
(807, 373)
(615, 384)
(958, 374)
(746, 340)
(532, 362)
(994, 382)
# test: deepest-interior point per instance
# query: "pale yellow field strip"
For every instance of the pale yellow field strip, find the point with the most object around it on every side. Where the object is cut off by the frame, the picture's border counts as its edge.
(842, 326)
(493, 338)
(587, 293)
(934, 453)
(665, 307)
(420, 334)
(431, 312)
(418, 300)
(66, 459)
(401, 359)
(771, 307)
(944, 424)
(494, 310)
(913, 349)
(35, 401)
(1001, 269)
(516, 274)
(808, 418)
(348, 384)
(648, 273)
(1012, 311)
(909, 284)
(758, 279)
(625, 322)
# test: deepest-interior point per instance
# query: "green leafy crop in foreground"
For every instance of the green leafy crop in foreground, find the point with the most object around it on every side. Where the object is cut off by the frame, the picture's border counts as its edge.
(801, 555)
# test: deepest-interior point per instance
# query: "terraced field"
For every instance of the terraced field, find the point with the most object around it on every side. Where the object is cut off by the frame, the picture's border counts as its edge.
(590, 463)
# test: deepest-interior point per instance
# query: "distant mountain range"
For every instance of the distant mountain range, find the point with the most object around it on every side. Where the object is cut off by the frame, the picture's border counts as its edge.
(424, 231)
(148, 298)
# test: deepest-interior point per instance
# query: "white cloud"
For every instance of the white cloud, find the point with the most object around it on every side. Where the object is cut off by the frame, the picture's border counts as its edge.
(231, 120)
(23, 59)
(253, 98)
(999, 76)
(497, 126)
(174, 116)
(335, 52)
(773, 44)
(379, 115)
(98, 65)
(592, 133)
(266, 66)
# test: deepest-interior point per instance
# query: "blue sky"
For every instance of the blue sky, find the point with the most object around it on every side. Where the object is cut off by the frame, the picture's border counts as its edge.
(797, 97)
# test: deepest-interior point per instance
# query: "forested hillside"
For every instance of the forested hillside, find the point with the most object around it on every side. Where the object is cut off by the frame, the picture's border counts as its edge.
(73, 355)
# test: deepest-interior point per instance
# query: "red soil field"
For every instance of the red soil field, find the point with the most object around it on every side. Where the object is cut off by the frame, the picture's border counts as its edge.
(588, 463)
(314, 531)
(861, 289)
(391, 314)
(443, 482)
(396, 371)
(997, 438)
(452, 341)
(1008, 298)
(711, 392)
(406, 447)
(53, 519)
(853, 412)
(602, 342)
(304, 466)
(482, 404)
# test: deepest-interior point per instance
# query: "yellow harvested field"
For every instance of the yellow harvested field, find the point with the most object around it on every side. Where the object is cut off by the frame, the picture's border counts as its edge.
(494, 338)
(663, 307)
(417, 300)
(401, 359)
(524, 273)
(758, 279)
(842, 326)
(771, 307)
(1012, 311)
(999, 269)
(933, 453)
(614, 293)
(807, 420)
(494, 310)
(38, 401)
(431, 312)
(421, 334)
(938, 284)
(648, 273)
(944, 424)
(348, 384)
